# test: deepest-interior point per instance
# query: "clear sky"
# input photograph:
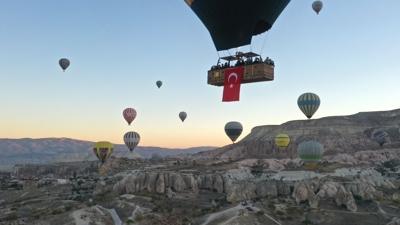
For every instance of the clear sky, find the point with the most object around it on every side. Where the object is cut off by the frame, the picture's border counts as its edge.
(349, 55)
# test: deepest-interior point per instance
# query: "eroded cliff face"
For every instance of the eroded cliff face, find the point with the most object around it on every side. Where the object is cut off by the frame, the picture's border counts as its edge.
(339, 134)
(244, 183)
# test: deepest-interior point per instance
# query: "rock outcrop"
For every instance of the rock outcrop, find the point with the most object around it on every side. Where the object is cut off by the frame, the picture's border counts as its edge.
(159, 182)
(338, 134)
(395, 221)
(237, 185)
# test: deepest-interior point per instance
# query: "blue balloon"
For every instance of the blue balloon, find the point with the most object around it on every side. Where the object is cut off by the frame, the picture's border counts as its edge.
(64, 63)
(310, 151)
(159, 83)
(308, 104)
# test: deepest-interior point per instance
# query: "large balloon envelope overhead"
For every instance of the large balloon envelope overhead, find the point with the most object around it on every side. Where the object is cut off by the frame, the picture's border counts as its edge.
(103, 150)
(317, 6)
(129, 115)
(380, 137)
(232, 23)
(310, 151)
(282, 140)
(182, 116)
(308, 104)
(233, 129)
(159, 83)
(64, 63)
(131, 140)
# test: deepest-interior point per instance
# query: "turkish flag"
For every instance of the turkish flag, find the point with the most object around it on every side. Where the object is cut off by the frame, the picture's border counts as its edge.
(233, 79)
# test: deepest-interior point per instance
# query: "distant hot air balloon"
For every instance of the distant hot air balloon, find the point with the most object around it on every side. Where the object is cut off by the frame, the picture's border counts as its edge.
(233, 129)
(131, 140)
(129, 115)
(380, 137)
(310, 151)
(282, 140)
(159, 83)
(182, 116)
(308, 104)
(317, 6)
(64, 63)
(103, 150)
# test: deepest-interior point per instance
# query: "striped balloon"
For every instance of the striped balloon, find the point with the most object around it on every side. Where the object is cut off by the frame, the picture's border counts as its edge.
(131, 140)
(129, 115)
(233, 129)
(310, 151)
(282, 140)
(308, 104)
(103, 150)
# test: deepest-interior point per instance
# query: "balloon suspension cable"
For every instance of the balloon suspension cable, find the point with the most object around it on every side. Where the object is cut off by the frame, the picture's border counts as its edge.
(263, 44)
(237, 50)
(229, 52)
(219, 58)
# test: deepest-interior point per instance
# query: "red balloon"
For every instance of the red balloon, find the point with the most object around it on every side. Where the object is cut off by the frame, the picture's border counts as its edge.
(129, 115)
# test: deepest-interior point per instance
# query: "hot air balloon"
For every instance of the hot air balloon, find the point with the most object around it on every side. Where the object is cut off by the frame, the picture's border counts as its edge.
(310, 151)
(131, 140)
(317, 6)
(103, 150)
(159, 83)
(182, 116)
(233, 129)
(308, 104)
(64, 63)
(282, 140)
(380, 137)
(129, 115)
(232, 24)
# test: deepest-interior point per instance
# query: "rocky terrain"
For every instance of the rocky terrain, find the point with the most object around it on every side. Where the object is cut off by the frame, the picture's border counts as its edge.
(204, 192)
(338, 134)
(249, 183)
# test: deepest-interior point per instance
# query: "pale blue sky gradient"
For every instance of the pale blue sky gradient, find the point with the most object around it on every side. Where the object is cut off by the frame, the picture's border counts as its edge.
(349, 55)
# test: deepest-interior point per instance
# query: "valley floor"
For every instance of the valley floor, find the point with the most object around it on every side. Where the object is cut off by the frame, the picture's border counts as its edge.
(209, 192)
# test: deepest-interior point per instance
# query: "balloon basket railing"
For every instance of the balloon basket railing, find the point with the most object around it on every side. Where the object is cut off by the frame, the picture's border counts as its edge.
(252, 73)
(311, 165)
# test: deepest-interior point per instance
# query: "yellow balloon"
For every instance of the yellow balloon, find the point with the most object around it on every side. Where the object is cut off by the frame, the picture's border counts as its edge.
(282, 140)
(103, 150)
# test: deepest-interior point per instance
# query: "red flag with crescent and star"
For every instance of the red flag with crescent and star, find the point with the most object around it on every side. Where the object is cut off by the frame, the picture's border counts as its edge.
(233, 79)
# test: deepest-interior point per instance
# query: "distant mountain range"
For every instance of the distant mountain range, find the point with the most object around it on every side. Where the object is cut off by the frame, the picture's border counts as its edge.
(46, 150)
